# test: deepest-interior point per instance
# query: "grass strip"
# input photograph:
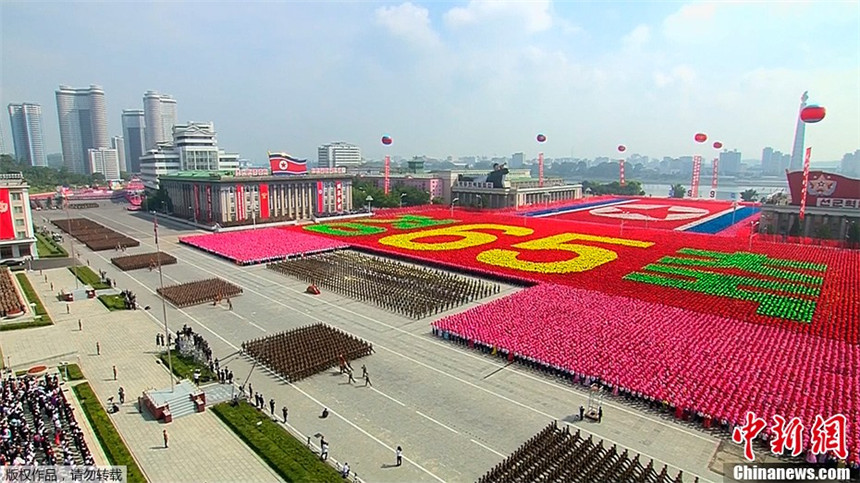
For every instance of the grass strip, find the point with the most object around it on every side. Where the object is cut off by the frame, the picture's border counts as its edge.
(114, 447)
(287, 456)
(74, 370)
(184, 367)
(48, 248)
(33, 298)
(113, 302)
(88, 277)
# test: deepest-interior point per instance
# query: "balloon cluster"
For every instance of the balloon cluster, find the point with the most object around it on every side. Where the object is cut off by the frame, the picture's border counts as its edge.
(386, 140)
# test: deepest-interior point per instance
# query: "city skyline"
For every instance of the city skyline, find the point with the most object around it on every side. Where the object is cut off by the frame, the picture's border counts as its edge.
(458, 79)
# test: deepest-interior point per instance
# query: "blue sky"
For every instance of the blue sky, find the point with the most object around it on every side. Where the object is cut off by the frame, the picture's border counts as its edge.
(453, 78)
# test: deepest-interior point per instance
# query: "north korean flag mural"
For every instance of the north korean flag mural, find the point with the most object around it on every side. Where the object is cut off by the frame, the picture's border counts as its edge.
(7, 230)
(282, 163)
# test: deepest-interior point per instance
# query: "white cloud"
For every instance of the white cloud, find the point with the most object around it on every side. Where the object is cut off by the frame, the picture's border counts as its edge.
(691, 22)
(408, 21)
(680, 74)
(638, 37)
(535, 15)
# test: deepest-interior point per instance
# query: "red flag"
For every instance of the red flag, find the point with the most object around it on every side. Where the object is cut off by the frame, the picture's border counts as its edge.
(196, 202)
(7, 229)
(805, 182)
(319, 196)
(264, 200)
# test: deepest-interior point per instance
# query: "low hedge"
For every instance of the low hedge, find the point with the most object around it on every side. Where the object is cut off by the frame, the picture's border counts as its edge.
(113, 302)
(114, 447)
(24, 325)
(88, 277)
(48, 248)
(33, 298)
(287, 456)
(184, 367)
(75, 373)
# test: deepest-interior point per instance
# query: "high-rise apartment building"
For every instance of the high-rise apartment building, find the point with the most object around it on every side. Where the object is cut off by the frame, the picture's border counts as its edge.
(338, 154)
(730, 162)
(159, 111)
(766, 159)
(194, 148)
(26, 121)
(133, 133)
(518, 160)
(104, 161)
(118, 143)
(850, 165)
(83, 125)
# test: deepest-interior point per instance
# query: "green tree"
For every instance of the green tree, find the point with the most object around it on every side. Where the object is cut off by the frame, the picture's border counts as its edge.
(631, 188)
(158, 201)
(749, 195)
(678, 190)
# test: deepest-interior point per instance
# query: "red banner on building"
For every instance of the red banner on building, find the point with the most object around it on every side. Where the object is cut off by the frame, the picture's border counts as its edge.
(714, 175)
(387, 170)
(320, 197)
(7, 228)
(805, 182)
(621, 171)
(264, 201)
(697, 171)
(240, 203)
(196, 202)
(208, 203)
(338, 196)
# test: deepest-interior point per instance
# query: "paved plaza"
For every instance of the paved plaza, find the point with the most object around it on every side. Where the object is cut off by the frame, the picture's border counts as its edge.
(455, 412)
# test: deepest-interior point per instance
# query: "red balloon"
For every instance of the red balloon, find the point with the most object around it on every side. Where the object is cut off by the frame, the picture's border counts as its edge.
(717, 145)
(541, 138)
(386, 140)
(812, 114)
(701, 137)
(622, 148)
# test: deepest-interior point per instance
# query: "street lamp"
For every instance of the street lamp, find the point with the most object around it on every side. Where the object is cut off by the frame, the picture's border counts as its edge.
(454, 201)
(369, 201)
(402, 195)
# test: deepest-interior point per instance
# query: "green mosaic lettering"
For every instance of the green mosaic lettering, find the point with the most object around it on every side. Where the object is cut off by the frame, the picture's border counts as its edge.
(345, 229)
(783, 298)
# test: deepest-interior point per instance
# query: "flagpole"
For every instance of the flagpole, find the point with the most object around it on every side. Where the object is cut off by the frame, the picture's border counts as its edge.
(163, 303)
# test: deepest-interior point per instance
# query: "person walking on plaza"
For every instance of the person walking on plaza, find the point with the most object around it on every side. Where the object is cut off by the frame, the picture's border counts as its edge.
(80, 325)
(164, 433)
(114, 373)
(68, 309)
(229, 304)
(399, 456)
(581, 412)
(121, 394)
(367, 381)
(351, 379)
(285, 412)
(272, 406)
(600, 414)
(345, 471)
(323, 449)
(98, 349)
(363, 370)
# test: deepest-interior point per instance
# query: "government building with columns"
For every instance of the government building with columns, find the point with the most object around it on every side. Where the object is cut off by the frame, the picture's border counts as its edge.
(253, 196)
